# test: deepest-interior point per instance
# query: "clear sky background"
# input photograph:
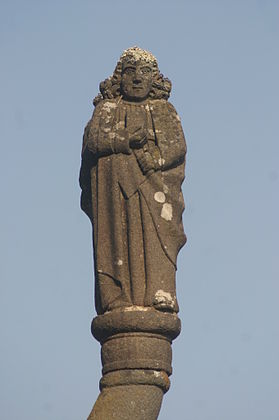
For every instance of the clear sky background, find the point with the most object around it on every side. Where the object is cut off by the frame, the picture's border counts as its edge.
(222, 57)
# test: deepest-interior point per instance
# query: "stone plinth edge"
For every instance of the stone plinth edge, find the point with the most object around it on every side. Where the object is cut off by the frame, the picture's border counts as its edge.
(135, 319)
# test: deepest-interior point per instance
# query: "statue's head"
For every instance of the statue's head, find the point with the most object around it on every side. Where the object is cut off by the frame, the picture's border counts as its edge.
(139, 67)
(135, 78)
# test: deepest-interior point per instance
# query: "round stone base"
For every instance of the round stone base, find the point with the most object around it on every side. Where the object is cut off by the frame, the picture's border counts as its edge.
(136, 319)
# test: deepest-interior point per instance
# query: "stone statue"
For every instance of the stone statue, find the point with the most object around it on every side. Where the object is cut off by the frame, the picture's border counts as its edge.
(133, 160)
(131, 175)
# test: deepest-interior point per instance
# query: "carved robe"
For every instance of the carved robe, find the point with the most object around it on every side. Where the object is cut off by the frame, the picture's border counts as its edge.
(136, 218)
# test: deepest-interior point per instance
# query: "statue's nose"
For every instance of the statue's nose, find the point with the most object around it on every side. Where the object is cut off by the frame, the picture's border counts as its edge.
(138, 76)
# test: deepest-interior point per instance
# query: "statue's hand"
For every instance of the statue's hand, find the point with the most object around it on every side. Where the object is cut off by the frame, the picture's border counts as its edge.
(121, 141)
(139, 138)
(145, 161)
(137, 127)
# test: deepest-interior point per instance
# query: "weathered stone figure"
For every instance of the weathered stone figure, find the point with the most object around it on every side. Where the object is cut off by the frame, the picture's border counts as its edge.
(133, 167)
(133, 160)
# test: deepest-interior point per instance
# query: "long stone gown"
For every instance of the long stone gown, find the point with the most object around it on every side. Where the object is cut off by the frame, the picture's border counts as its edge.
(136, 218)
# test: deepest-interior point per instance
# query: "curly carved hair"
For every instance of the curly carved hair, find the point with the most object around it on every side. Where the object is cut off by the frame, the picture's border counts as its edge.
(111, 87)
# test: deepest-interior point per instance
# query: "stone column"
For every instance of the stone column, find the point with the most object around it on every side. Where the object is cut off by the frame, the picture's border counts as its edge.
(136, 357)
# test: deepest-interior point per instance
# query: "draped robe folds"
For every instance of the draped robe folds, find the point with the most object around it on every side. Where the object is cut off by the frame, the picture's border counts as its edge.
(136, 218)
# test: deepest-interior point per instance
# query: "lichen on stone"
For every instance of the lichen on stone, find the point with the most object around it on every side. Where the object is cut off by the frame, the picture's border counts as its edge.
(135, 54)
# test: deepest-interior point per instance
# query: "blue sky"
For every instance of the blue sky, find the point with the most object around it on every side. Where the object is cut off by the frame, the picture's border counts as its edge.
(222, 58)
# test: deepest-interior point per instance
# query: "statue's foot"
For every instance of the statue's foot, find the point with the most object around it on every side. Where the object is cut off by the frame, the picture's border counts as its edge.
(164, 301)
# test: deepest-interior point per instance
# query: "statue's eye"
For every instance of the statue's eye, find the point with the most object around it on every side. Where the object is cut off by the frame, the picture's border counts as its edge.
(145, 70)
(129, 70)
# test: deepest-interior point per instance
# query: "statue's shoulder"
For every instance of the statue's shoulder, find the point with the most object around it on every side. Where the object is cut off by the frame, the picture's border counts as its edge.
(163, 106)
(157, 103)
(102, 110)
(106, 105)
(110, 103)
(171, 108)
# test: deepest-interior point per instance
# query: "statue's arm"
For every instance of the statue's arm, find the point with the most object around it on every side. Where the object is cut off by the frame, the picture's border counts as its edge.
(103, 136)
(171, 142)
(87, 162)
(89, 157)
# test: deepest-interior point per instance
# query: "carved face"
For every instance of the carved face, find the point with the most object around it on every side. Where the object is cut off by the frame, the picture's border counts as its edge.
(136, 81)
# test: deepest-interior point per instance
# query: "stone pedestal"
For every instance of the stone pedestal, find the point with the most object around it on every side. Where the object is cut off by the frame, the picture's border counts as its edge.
(136, 358)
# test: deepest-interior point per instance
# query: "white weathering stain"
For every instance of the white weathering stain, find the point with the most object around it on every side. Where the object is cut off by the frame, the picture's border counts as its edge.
(161, 161)
(120, 124)
(165, 189)
(119, 262)
(160, 197)
(136, 308)
(109, 105)
(166, 212)
(164, 298)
